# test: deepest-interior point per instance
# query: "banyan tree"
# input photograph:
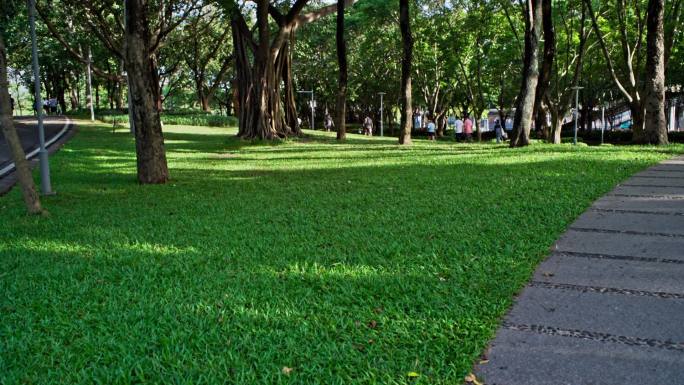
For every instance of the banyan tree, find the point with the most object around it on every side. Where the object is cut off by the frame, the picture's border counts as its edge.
(263, 66)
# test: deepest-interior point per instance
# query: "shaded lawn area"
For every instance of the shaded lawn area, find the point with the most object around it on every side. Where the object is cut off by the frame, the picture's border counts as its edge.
(351, 263)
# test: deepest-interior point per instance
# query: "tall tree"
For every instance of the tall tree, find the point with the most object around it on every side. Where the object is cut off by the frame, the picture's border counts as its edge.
(340, 122)
(28, 188)
(655, 131)
(206, 52)
(406, 61)
(263, 63)
(546, 67)
(143, 78)
(135, 41)
(522, 123)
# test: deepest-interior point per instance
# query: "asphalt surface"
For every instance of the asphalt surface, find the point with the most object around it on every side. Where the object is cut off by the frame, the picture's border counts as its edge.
(607, 307)
(27, 128)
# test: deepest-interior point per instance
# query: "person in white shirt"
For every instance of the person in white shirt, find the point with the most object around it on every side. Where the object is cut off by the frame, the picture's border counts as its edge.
(458, 128)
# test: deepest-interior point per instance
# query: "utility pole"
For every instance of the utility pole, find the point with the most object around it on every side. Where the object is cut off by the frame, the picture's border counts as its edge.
(576, 88)
(90, 87)
(131, 122)
(45, 185)
(382, 125)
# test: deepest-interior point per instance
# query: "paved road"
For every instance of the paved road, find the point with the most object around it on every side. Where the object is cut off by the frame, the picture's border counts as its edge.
(27, 128)
(607, 307)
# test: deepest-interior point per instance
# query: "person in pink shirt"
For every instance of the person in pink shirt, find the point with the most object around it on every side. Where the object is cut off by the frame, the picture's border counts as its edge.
(468, 129)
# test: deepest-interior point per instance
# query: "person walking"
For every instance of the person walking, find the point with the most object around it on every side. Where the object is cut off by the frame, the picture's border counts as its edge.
(468, 129)
(368, 126)
(328, 122)
(431, 129)
(458, 128)
(499, 131)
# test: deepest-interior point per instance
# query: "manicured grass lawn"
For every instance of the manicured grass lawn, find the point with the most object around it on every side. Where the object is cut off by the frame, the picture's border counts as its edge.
(348, 264)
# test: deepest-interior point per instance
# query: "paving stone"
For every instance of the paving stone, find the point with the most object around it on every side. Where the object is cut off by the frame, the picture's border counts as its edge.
(614, 273)
(672, 192)
(660, 174)
(525, 358)
(654, 181)
(647, 223)
(641, 316)
(650, 204)
(622, 244)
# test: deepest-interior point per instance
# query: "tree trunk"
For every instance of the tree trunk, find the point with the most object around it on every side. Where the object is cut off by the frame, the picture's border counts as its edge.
(556, 125)
(340, 122)
(28, 187)
(655, 130)
(522, 123)
(636, 109)
(547, 66)
(144, 82)
(406, 62)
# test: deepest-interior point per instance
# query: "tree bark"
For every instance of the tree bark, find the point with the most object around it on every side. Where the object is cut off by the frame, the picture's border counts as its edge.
(340, 120)
(28, 187)
(655, 130)
(406, 63)
(144, 82)
(522, 123)
(547, 65)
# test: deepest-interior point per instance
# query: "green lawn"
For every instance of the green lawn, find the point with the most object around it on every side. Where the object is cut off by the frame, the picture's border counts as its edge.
(348, 264)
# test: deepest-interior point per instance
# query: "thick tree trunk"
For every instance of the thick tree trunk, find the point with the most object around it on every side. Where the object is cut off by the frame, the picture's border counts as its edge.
(547, 66)
(144, 82)
(291, 121)
(638, 113)
(522, 123)
(655, 129)
(28, 187)
(340, 120)
(406, 63)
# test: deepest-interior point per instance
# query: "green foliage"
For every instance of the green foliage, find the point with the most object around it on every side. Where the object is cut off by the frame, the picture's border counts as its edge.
(354, 263)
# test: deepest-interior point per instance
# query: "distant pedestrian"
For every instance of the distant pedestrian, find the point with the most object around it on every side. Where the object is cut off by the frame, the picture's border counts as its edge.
(431, 129)
(499, 131)
(11, 105)
(368, 126)
(468, 129)
(417, 120)
(458, 128)
(328, 122)
(52, 104)
(509, 125)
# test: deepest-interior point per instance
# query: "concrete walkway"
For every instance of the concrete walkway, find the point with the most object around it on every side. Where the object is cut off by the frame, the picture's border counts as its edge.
(607, 307)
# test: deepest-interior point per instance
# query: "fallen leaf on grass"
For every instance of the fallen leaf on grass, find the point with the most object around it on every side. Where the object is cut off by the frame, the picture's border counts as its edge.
(471, 379)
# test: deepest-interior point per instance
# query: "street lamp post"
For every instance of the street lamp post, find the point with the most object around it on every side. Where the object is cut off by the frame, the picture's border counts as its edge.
(382, 125)
(576, 88)
(131, 114)
(90, 86)
(45, 184)
(313, 106)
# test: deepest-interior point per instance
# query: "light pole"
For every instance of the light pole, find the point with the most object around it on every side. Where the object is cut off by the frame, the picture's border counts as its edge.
(313, 106)
(382, 125)
(131, 122)
(576, 88)
(45, 184)
(90, 87)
